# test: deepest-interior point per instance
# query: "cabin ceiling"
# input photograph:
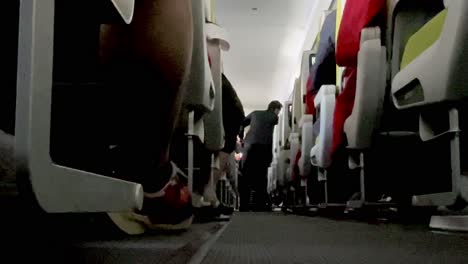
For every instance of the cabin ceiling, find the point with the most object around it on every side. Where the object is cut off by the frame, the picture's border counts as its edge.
(267, 39)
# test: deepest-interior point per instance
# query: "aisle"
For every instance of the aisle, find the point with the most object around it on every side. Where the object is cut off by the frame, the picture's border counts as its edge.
(277, 238)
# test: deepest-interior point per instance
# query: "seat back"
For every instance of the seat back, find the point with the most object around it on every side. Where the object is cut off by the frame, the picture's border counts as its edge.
(323, 71)
(297, 106)
(58, 51)
(307, 142)
(286, 124)
(213, 121)
(78, 122)
(433, 68)
(360, 49)
(200, 94)
(365, 117)
(357, 15)
(454, 49)
(308, 60)
(407, 18)
(294, 150)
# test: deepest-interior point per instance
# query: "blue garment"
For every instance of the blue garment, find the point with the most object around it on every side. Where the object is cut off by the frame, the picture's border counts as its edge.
(324, 69)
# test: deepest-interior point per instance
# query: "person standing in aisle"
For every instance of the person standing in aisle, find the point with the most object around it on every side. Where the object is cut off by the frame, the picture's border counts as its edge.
(258, 154)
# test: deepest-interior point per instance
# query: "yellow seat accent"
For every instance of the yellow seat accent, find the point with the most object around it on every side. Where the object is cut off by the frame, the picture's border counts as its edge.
(423, 39)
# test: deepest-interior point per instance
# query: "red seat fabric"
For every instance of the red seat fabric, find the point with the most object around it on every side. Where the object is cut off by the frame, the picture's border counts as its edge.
(343, 108)
(357, 15)
(310, 106)
(295, 172)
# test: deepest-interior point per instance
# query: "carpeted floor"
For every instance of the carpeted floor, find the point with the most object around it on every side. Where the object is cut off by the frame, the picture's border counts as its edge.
(278, 238)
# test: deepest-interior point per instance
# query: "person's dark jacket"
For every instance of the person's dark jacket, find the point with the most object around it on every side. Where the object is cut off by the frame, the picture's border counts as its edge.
(233, 115)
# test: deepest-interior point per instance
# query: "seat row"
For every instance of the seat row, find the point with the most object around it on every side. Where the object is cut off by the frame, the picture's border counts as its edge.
(378, 108)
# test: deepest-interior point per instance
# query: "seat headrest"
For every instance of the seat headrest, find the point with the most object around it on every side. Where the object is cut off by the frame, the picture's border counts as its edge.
(357, 15)
(125, 9)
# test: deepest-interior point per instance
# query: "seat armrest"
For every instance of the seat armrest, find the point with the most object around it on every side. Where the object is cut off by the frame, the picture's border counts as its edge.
(370, 91)
(325, 90)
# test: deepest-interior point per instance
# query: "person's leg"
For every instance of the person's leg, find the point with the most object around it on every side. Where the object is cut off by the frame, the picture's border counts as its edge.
(218, 173)
(146, 64)
(152, 62)
(203, 176)
(263, 161)
(245, 181)
(210, 188)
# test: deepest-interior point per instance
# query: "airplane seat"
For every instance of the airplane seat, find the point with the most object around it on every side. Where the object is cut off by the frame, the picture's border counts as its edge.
(306, 126)
(295, 136)
(270, 180)
(283, 167)
(214, 129)
(217, 41)
(50, 74)
(430, 80)
(307, 62)
(323, 70)
(423, 82)
(294, 150)
(370, 84)
(404, 19)
(79, 121)
(321, 90)
(354, 113)
(274, 175)
(201, 96)
(306, 121)
(285, 149)
(297, 106)
(201, 91)
(274, 162)
(320, 154)
(360, 48)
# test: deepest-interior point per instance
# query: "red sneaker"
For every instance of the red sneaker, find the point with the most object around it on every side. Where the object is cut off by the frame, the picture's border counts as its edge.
(167, 209)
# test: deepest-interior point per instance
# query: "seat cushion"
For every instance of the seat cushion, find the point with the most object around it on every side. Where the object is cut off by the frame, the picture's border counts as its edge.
(423, 39)
(357, 15)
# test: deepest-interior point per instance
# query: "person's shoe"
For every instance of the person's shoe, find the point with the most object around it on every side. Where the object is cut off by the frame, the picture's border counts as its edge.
(167, 209)
(199, 201)
(224, 210)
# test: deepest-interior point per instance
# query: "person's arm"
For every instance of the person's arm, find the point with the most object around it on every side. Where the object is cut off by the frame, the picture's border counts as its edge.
(245, 124)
